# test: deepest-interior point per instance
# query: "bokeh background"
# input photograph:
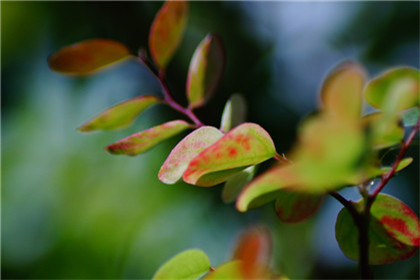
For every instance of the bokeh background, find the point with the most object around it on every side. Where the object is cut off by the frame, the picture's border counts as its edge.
(70, 210)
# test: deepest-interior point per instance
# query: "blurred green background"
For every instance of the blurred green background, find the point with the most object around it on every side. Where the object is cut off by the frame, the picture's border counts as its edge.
(70, 210)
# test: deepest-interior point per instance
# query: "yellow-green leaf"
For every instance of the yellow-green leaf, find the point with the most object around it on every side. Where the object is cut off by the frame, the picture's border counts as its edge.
(143, 141)
(167, 31)
(247, 144)
(120, 115)
(205, 70)
(386, 129)
(87, 56)
(233, 113)
(179, 158)
(235, 184)
(188, 265)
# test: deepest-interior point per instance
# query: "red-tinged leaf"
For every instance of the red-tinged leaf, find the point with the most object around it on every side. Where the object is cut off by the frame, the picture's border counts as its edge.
(254, 252)
(120, 115)
(233, 113)
(205, 70)
(247, 144)
(341, 92)
(87, 56)
(294, 207)
(145, 140)
(235, 184)
(167, 31)
(179, 158)
(394, 90)
(393, 231)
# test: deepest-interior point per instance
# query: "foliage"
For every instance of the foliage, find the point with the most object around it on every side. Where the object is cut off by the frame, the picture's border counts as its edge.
(337, 147)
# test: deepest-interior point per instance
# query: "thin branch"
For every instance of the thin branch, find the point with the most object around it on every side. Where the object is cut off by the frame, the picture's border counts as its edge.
(347, 204)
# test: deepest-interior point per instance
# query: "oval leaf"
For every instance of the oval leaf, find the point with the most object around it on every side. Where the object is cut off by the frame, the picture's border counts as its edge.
(120, 115)
(143, 141)
(247, 144)
(393, 231)
(167, 30)
(401, 165)
(394, 90)
(294, 207)
(386, 130)
(235, 184)
(190, 264)
(228, 271)
(233, 113)
(205, 70)
(179, 158)
(341, 91)
(87, 56)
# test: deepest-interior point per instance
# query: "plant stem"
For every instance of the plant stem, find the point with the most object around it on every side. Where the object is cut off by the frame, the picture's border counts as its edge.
(347, 204)
(160, 75)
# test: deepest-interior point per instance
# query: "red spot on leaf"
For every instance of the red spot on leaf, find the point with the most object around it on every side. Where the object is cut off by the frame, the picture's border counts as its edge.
(233, 152)
(400, 225)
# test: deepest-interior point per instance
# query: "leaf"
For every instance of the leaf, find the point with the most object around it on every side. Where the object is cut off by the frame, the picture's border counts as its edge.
(401, 165)
(228, 271)
(341, 91)
(120, 115)
(235, 184)
(167, 31)
(205, 70)
(394, 90)
(143, 141)
(411, 117)
(190, 264)
(88, 56)
(233, 113)
(393, 231)
(386, 130)
(247, 144)
(179, 158)
(294, 207)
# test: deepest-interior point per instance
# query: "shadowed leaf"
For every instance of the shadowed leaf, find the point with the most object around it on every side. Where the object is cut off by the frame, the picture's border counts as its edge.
(401, 165)
(233, 113)
(394, 90)
(411, 117)
(167, 30)
(386, 130)
(341, 91)
(87, 56)
(235, 184)
(393, 231)
(247, 144)
(190, 264)
(294, 207)
(205, 71)
(145, 140)
(120, 115)
(179, 158)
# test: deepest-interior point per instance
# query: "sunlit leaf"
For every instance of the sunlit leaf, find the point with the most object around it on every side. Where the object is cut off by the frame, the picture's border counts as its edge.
(87, 56)
(293, 207)
(143, 141)
(235, 184)
(401, 165)
(393, 231)
(167, 30)
(190, 264)
(247, 144)
(233, 113)
(227, 271)
(411, 117)
(179, 158)
(120, 115)
(341, 91)
(386, 129)
(394, 90)
(205, 70)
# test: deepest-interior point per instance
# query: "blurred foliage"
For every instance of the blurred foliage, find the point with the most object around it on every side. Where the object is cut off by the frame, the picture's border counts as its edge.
(70, 210)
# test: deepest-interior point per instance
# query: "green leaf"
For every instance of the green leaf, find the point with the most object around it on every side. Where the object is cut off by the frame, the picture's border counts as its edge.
(167, 30)
(205, 71)
(228, 271)
(247, 144)
(143, 141)
(179, 158)
(393, 231)
(411, 117)
(341, 91)
(394, 90)
(233, 113)
(401, 165)
(120, 115)
(386, 130)
(87, 56)
(235, 184)
(294, 207)
(190, 264)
